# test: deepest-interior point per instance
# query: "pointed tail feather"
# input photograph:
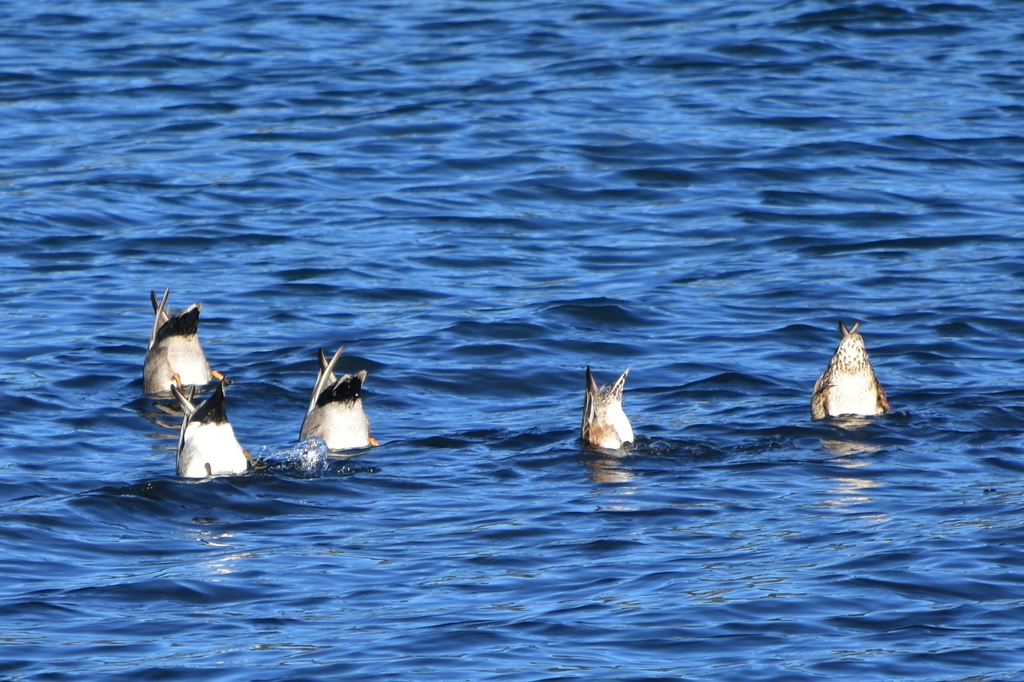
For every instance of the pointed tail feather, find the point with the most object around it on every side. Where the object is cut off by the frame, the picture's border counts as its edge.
(159, 316)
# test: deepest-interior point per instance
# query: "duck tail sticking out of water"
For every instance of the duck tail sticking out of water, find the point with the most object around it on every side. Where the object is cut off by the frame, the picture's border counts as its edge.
(206, 442)
(605, 424)
(848, 385)
(174, 348)
(335, 414)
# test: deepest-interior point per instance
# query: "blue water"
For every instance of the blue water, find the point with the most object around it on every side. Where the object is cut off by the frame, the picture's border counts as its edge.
(479, 200)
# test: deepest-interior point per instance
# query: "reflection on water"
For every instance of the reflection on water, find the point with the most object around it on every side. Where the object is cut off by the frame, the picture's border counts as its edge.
(220, 564)
(851, 491)
(852, 422)
(846, 448)
(605, 467)
(166, 417)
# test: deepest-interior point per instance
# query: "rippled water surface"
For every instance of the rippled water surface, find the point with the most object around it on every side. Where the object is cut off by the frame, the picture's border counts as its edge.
(479, 200)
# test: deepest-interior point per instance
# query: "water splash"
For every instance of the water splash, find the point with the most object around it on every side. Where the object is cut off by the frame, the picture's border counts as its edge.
(308, 458)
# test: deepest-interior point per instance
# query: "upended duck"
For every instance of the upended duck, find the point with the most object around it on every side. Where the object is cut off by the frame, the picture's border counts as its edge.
(206, 443)
(848, 385)
(605, 425)
(174, 348)
(335, 414)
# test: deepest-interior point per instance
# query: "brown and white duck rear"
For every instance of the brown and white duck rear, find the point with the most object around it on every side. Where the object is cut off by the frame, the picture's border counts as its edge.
(848, 385)
(605, 424)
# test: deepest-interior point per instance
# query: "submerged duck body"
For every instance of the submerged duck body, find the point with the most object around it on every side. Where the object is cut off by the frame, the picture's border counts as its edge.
(335, 414)
(174, 349)
(848, 385)
(605, 424)
(206, 443)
